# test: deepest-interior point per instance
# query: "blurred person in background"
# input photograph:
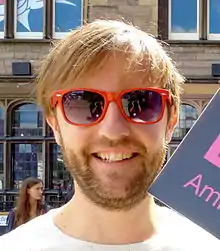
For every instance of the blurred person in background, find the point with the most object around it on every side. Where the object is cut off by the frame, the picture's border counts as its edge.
(29, 203)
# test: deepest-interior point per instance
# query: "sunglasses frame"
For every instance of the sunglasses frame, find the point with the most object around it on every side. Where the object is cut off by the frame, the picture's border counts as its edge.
(57, 99)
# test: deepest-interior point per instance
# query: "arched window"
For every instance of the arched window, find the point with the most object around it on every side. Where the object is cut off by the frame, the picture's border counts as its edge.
(27, 161)
(2, 134)
(2, 121)
(27, 121)
(188, 116)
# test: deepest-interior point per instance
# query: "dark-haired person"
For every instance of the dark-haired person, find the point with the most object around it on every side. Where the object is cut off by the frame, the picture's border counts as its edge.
(29, 204)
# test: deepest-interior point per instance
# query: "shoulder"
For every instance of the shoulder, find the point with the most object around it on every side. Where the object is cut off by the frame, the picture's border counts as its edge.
(185, 234)
(10, 221)
(36, 230)
(11, 213)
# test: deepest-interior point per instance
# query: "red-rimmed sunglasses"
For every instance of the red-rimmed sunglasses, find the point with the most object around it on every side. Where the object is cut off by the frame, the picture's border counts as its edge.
(86, 107)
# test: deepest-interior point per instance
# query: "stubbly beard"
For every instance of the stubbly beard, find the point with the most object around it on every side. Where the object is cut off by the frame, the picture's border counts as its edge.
(94, 189)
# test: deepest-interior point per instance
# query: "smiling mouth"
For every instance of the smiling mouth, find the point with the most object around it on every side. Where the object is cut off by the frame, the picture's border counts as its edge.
(114, 157)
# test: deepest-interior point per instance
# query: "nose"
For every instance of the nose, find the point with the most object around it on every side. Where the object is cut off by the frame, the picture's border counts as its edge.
(114, 126)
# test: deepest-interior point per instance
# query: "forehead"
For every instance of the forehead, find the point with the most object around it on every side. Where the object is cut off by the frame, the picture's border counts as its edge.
(114, 75)
(39, 185)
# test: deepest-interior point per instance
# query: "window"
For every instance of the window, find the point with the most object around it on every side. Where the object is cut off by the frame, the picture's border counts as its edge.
(1, 159)
(171, 149)
(189, 19)
(213, 19)
(28, 148)
(2, 120)
(26, 156)
(29, 18)
(179, 26)
(49, 131)
(188, 116)
(27, 121)
(65, 23)
(38, 19)
(2, 13)
(60, 176)
(26, 161)
(2, 134)
(2, 173)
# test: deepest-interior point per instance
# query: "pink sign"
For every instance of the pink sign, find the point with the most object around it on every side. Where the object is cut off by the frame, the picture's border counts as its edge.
(213, 154)
(2, 1)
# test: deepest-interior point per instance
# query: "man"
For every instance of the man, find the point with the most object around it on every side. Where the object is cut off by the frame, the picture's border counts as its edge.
(86, 87)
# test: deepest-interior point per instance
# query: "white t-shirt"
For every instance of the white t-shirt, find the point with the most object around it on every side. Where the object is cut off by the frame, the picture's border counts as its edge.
(176, 233)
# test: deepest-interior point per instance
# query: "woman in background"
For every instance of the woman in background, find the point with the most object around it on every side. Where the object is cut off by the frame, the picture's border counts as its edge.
(29, 203)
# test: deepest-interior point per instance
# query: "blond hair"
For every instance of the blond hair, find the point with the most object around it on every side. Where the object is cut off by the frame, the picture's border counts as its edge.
(88, 47)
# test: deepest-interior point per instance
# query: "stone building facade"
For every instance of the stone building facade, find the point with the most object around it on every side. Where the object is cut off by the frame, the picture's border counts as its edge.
(27, 146)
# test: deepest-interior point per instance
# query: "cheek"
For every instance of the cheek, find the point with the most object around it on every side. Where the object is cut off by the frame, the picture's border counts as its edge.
(32, 193)
(35, 192)
(73, 137)
(152, 136)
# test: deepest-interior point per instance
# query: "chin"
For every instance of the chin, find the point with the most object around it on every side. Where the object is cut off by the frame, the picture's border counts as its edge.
(114, 193)
(117, 190)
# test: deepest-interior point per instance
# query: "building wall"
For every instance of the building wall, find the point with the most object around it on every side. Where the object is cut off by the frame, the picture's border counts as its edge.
(16, 92)
(142, 13)
(194, 52)
(196, 59)
(20, 51)
(193, 60)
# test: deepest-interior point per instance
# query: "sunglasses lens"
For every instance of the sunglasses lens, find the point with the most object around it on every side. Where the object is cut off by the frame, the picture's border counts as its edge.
(83, 107)
(142, 105)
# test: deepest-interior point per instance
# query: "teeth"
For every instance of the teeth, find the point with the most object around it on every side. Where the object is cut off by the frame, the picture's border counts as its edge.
(113, 157)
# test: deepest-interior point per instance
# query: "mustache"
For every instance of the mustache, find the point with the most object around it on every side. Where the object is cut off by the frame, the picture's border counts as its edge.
(129, 143)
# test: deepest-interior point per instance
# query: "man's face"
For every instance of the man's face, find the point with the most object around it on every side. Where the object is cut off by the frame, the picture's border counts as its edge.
(92, 153)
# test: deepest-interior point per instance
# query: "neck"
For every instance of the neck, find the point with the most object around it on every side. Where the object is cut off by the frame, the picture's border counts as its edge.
(83, 220)
(33, 204)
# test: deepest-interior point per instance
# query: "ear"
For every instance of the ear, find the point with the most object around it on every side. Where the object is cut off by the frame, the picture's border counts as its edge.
(173, 120)
(52, 122)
